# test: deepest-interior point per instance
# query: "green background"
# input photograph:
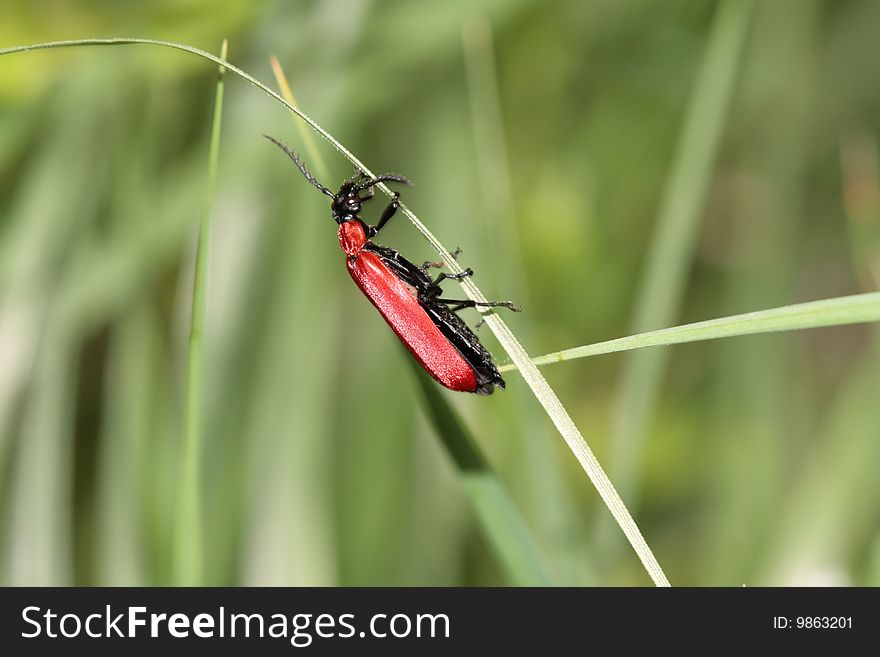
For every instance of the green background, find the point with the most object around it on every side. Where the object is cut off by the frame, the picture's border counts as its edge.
(542, 137)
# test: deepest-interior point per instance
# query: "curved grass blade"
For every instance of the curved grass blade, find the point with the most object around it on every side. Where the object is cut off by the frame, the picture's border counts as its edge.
(542, 391)
(204, 54)
(854, 309)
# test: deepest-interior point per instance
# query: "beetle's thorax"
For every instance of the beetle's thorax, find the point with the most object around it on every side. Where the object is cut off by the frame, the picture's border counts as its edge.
(352, 236)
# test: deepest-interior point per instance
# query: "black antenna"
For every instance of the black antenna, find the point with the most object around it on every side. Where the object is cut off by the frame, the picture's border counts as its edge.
(299, 165)
(385, 177)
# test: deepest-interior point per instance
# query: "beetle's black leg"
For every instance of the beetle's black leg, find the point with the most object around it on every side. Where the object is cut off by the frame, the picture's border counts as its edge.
(433, 290)
(443, 276)
(479, 324)
(386, 215)
(458, 304)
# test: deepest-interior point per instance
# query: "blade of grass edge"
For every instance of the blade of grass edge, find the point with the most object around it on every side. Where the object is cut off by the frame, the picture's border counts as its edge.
(187, 560)
(551, 509)
(533, 378)
(312, 148)
(670, 252)
(839, 311)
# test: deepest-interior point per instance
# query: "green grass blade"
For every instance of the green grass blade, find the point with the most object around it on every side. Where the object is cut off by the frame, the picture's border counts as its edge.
(765, 405)
(669, 257)
(538, 473)
(573, 438)
(533, 378)
(316, 160)
(188, 566)
(503, 526)
(854, 309)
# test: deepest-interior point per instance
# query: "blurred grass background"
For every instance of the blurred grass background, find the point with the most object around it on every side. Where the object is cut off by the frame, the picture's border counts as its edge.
(541, 137)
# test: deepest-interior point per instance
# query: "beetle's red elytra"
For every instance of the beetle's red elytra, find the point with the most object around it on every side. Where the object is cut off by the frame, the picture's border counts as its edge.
(404, 294)
(398, 303)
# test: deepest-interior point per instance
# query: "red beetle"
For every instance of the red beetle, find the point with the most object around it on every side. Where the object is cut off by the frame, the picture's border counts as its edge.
(404, 294)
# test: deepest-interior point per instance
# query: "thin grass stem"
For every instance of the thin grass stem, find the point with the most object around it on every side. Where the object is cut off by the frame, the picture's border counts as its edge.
(188, 555)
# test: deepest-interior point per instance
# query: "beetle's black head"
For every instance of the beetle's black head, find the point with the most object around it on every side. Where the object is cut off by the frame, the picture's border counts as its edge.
(346, 202)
